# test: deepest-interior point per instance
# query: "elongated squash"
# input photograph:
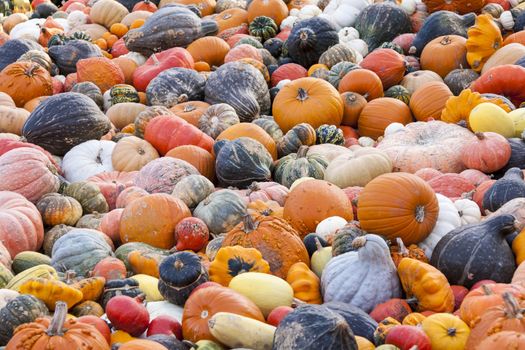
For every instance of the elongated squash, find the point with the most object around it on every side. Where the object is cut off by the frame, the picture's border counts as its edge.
(237, 331)
(39, 271)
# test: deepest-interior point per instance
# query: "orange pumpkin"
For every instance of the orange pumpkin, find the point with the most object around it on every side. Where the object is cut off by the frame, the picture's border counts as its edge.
(275, 9)
(231, 18)
(101, 71)
(353, 106)
(460, 6)
(152, 219)
(388, 64)
(250, 130)
(141, 344)
(364, 82)
(518, 37)
(243, 51)
(444, 54)
(398, 205)
(209, 49)
(128, 66)
(190, 111)
(32, 104)
(307, 100)
(312, 201)
(24, 81)
(132, 153)
(381, 112)
(429, 101)
(201, 159)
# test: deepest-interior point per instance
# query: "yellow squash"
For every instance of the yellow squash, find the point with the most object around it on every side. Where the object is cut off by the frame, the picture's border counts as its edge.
(518, 118)
(489, 117)
(50, 291)
(149, 285)
(484, 38)
(305, 283)
(39, 271)
(446, 331)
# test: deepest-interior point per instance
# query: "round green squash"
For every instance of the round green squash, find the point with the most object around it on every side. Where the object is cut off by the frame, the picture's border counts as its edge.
(24, 308)
(123, 93)
(329, 134)
(89, 196)
(399, 92)
(297, 165)
(27, 260)
(263, 27)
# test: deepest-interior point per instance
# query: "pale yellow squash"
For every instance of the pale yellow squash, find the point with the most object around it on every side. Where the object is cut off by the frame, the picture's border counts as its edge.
(487, 117)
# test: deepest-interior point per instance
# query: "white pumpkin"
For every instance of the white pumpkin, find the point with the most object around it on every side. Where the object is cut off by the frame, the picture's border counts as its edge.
(309, 11)
(160, 308)
(288, 22)
(343, 13)
(6, 295)
(354, 277)
(468, 211)
(76, 18)
(328, 150)
(448, 219)
(507, 20)
(282, 83)
(347, 34)
(409, 6)
(392, 128)
(329, 226)
(359, 46)
(365, 141)
(87, 159)
(137, 57)
(27, 30)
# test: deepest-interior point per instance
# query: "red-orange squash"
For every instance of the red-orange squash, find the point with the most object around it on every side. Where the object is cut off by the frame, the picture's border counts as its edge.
(101, 71)
(201, 159)
(24, 81)
(250, 130)
(381, 112)
(429, 101)
(210, 49)
(388, 64)
(364, 82)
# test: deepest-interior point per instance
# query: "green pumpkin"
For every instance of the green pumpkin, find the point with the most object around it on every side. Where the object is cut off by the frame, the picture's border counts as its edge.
(297, 165)
(250, 40)
(393, 46)
(338, 71)
(270, 126)
(89, 196)
(27, 260)
(123, 93)
(123, 251)
(398, 92)
(24, 308)
(263, 27)
(329, 134)
(300, 135)
(61, 39)
(126, 286)
(342, 242)
(179, 275)
(5, 276)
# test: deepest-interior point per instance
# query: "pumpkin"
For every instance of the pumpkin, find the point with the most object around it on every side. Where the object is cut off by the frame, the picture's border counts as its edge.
(507, 339)
(112, 183)
(88, 159)
(451, 185)
(500, 80)
(162, 174)
(206, 7)
(347, 277)
(122, 114)
(230, 18)
(24, 81)
(337, 72)
(484, 38)
(394, 308)
(460, 79)
(101, 71)
(274, 9)
(190, 111)
(509, 54)
(337, 53)
(58, 209)
(490, 117)
(379, 113)
(143, 118)
(452, 50)
(163, 91)
(353, 105)
(468, 269)
(266, 234)
(299, 101)
(204, 303)
(217, 118)
(234, 260)
(387, 64)
(140, 221)
(489, 153)
(510, 186)
(132, 153)
(326, 327)
(302, 134)
(362, 81)
(421, 209)
(89, 309)
(136, 344)
(439, 141)
(399, 92)
(297, 165)
(193, 189)
(265, 191)
(305, 283)
(12, 119)
(249, 130)
(446, 331)
(51, 291)
(221, 210)
(201, 159)
(63, 121)
(407, 336)
(290, 71)
(424, 108)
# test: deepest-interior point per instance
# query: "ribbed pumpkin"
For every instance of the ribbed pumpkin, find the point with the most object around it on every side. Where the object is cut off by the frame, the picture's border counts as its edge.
(444, 54)
(364, 82)
(275, 9)
(190, 111)
(388, 64)
(381, 112)
(250, 130)
(152, 220)
(307, 100)
(201, 159)
(398, 205)
(101, 71)
(24, 81)
(353, 106)
(429, 101)
(132, 153)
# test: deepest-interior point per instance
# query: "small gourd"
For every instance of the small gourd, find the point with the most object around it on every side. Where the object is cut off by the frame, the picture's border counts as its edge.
(305, 283)
(320, 258)
(232, 261)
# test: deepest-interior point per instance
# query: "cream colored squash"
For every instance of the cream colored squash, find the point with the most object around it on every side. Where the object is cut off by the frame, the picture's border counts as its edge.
(300, 180)
(343, 13)
(328, 150)
(265, 290)
(12, 119)
(107, 12)
(358, 167)
(415, 80)
(124, 113)
(320, 258)
(329, 226)
(95, 31)
(87, 159)
(132, 153)
(518, 118)
(490, 117)
(133, 16)
(149, 285)
(508, 54)
(468, 211)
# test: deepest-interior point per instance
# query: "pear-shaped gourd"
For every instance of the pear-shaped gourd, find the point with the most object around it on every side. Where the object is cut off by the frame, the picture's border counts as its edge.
(490, 117)
(505, 189)
(354, 277)
(320, 258)
(477, 252)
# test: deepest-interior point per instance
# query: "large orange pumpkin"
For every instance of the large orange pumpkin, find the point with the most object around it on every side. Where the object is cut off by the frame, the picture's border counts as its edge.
(398, 205)
(364, 82)
(307, 100)
(278, 242)
(312, 201)
(210, 49)
(201, 159)
(101, 71)
(250, 130)
(444, 54)
(388, 64)
(429, 101)
(190, 111)
(381, 112)
(24, 81)
(275, 9)
(231, 18)
(152, 219)
(206, 302)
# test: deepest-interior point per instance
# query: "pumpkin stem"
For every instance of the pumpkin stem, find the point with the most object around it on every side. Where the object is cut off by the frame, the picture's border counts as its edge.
(182, 98)
(401, 246)
(178, 264)
(155, 59)
(445, 41)
(31, 69)
(56, 328)
(359, 242)
(302, 95)
(249, 224)
(480, 135)
(512, 308)
(451, 332)
(301, 152)
(420, 213)
(254, 187)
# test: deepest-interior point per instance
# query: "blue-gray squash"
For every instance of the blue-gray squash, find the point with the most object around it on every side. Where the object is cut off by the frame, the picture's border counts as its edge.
(13, 49)
(175, 85)
(510, 186)
(67, 55)
(361, 323)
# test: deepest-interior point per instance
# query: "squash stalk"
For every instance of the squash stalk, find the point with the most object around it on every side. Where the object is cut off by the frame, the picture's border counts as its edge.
(249, 224)
(56, 328)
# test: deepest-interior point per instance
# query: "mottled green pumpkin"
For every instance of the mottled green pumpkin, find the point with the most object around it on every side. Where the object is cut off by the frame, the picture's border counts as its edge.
(337, 54)
(24, 308)
(27, 260)
(342, 241)
(300, 135)
(263, 27)
(5, 276)
(393, 46)
(329, 134)
(123, 93)
(90, 90)
(338, 71)
(270, 126)
(249, 40)
(398, 92)
(297, 165)
(89, 196)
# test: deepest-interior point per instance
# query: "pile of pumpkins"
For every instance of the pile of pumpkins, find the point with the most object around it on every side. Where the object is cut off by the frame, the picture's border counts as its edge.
(262, 174)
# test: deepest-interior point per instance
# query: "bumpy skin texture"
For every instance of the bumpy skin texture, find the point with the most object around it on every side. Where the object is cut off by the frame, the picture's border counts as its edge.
(162, 174)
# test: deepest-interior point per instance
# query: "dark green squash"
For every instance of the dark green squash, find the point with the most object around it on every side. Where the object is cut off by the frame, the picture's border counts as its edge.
(310, 242)
(263, 27)
(121, 93)
(89, 196)
(342, 242)
(241, 86)
(309, 39)
(242, 161)
(44, 10)
(296, 165)
(441, 23)
(90, 90)
(460, 79)
(361, 323)
(274, 46)
(169, 341)
(179, 275)
(337, 54)
(313, 327)
(270, 126)
(393, 46)
(26, 260)
(249, 40)
(382, 22)
(329, 134)
(66, 56)
(300, 135)
(63, 121)
(175, 85)
(123, 251)
(510, 186)
(24, 308)
(517, 156)
(61, 39)
(168, 27)
(221, 211)
(126, 286)
(13, 49)
(476, 252)
(338, 71)
(398, 92)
